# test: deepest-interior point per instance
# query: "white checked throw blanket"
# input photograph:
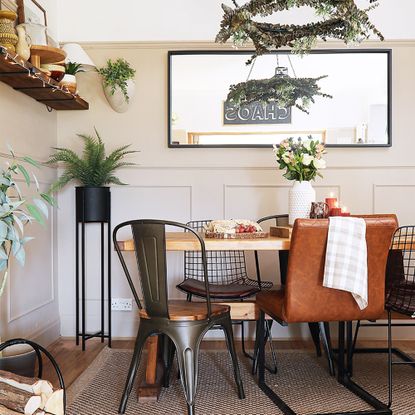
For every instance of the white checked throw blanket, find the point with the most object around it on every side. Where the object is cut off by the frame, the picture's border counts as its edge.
(346, 258)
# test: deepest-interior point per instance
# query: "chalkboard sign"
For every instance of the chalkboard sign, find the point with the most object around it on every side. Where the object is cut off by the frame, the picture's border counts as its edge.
(256, 113)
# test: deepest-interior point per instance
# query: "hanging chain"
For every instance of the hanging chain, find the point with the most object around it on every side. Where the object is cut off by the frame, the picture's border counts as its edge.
(292, 66)
(251, 69)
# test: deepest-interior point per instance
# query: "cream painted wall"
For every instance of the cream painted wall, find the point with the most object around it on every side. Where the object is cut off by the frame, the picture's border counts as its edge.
(188, 20)
(29, 306)
(184, 184)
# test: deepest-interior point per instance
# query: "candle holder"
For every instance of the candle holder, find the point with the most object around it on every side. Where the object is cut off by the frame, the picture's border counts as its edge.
(336, 211)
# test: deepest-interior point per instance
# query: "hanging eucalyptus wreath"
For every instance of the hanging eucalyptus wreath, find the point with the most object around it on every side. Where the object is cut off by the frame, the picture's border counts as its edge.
(285, 91)
(341, 19)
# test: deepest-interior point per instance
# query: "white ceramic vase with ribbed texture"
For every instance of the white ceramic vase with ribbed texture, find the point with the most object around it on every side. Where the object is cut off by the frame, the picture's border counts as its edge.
(300, 197)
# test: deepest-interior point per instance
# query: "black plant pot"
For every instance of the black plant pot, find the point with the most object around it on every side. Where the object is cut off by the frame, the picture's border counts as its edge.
(93, 204)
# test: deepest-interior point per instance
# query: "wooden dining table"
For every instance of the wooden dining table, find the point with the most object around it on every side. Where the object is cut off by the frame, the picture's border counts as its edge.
(150, 386)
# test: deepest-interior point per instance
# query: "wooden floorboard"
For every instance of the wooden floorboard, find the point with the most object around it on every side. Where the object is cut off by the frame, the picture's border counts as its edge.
(73, 361)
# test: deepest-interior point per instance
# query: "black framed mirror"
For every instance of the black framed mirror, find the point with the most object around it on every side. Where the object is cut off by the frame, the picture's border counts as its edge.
(357, 115)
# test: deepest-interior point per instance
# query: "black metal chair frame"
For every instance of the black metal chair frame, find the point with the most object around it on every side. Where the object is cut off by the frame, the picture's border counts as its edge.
(392, 304)
(343, 375)
(237, 259)
(39, 350)
(149, 235)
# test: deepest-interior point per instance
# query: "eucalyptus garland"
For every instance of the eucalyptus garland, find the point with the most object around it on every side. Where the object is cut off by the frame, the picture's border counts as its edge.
(285, 91)
(341, 19)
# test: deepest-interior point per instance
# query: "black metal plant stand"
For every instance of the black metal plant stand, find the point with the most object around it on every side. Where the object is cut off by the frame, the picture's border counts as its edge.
(93, 205)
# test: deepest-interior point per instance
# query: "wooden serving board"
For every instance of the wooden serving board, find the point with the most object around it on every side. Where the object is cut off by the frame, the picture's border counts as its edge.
(247, 235)
(281, 231)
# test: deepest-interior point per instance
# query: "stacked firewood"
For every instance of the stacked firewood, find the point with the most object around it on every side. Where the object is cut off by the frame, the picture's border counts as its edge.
(31, 396)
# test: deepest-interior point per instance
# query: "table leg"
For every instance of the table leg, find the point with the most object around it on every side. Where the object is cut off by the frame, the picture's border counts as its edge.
(150, 386)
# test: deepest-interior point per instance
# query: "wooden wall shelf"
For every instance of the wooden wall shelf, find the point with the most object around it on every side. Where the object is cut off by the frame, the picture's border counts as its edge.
(29, 80)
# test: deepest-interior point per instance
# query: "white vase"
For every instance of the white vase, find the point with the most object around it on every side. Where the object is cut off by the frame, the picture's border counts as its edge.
(300, 197)
(117, 99)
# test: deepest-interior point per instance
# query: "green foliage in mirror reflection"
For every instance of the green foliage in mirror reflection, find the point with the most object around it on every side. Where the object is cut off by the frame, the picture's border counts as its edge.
(285, 91)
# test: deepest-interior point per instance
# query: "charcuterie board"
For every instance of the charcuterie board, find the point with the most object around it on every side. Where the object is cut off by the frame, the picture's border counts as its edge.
(244, 235)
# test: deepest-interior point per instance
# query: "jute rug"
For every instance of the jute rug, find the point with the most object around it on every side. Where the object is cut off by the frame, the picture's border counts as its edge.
(302, 381)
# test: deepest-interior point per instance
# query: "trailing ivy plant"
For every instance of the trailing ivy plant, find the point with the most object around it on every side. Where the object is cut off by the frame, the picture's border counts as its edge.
(340, 19)
(94, 167)
(116, 74)
(285, 91)
(17, 210)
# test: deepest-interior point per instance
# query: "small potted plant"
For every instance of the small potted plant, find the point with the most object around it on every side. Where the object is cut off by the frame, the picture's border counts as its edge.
(301, 160)
(118, 83)
(16, 211)
(93, 171)
(69, 80)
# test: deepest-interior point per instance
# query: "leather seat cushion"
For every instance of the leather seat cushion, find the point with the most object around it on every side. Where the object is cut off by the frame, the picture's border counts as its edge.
(218, 291)
(272, 302)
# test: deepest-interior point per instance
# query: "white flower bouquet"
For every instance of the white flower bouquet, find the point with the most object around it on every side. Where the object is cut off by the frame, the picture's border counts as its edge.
(302, 159)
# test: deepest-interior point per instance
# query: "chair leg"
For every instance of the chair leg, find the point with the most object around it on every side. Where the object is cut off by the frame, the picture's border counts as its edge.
(135, 361)
(168, 358)
(268, 337)
(390, 380)
(187, 351)
(326, 337)
(315, 334)
(227, 328)
(274, 370)
(246, 354)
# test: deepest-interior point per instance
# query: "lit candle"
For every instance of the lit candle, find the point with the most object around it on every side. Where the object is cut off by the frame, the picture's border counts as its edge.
(345, 212)
(331, 201)
(335, 211)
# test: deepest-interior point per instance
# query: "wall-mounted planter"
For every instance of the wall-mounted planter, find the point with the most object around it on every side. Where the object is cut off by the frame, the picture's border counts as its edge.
(117, 99)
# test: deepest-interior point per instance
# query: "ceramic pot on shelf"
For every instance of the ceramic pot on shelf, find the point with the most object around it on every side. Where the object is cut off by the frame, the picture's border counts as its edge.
(117, 99)
(22, 46)
(300, 197)
(69, 82)
(8, 37)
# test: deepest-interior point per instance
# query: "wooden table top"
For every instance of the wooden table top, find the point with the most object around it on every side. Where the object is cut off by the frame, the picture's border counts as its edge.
(184, 241)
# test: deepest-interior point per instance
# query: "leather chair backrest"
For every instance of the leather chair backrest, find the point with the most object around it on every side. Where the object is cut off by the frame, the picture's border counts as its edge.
(306, 300)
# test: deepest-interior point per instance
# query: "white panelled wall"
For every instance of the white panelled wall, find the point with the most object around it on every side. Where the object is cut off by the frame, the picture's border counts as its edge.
(178, 184)
(185, 184)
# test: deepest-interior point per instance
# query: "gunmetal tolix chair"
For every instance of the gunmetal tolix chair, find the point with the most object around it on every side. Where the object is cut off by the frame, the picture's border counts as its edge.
(184, 323)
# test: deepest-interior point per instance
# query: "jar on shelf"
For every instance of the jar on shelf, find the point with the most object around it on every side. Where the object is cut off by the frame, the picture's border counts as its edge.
(8, 37)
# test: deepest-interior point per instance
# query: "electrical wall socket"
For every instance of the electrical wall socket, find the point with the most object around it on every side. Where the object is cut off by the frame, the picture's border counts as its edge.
(121, 304)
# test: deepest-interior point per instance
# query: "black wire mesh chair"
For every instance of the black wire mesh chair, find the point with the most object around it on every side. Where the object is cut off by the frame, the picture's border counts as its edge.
(228, 278)
(39, 350)
(400, 298)
(183, 323)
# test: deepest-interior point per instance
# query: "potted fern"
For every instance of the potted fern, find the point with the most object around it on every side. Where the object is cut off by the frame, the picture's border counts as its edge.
(118, 83)
(93, 170)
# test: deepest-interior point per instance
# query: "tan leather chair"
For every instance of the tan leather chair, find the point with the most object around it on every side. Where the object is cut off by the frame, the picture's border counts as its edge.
(304, 298)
